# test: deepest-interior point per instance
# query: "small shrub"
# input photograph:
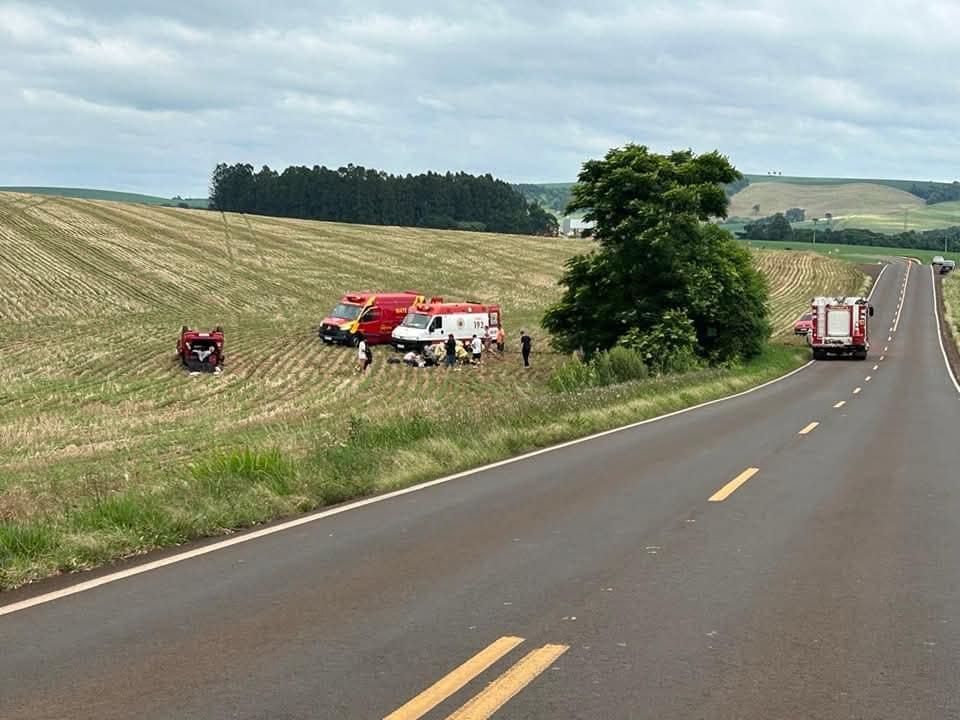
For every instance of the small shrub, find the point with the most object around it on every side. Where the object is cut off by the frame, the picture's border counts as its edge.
(228, 472)
(612, 367)
(24, 541)
(624, 365)
(670, 346)
(573, 375)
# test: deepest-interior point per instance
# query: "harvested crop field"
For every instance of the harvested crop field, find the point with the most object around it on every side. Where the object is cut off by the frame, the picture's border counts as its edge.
(795, 277)
(94, 404)
(840, 200)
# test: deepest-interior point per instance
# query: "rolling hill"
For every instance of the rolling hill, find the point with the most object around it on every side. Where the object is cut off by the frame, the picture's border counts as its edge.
(103, 435)
(111, 195)
(873, 204)
(842, 200)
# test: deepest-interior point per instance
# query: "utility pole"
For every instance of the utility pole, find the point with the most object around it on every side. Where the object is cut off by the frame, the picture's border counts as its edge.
(815, 230)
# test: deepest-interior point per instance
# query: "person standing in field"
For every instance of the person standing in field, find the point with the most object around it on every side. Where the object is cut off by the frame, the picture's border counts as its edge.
(525, 343)
(364, 355)
(476, 347)
(451, 347)
(501, 339)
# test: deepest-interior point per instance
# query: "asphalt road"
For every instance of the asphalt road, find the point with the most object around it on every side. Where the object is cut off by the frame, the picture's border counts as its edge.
(595, 581)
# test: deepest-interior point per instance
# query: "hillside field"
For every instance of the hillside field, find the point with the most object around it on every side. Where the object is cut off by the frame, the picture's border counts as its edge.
(111, 195)
(94, 405)
(841, 200)
(923, 217)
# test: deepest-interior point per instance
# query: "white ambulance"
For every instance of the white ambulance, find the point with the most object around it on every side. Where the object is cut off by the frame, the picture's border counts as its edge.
(431, 323)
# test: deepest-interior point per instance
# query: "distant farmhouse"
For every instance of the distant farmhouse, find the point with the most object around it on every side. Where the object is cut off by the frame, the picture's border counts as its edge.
(574, 227)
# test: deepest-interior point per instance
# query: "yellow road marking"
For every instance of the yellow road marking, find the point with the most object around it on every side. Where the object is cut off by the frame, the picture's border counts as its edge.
(840, 404)
(453, 681)
(808, 429)
(498, 693)
(856, 390)
(728, 489)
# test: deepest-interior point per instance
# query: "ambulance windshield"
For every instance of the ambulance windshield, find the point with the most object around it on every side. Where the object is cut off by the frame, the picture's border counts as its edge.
(416, 320)
(345, 311)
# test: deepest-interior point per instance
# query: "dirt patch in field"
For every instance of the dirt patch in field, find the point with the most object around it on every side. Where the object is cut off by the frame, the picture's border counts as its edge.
(949, 341)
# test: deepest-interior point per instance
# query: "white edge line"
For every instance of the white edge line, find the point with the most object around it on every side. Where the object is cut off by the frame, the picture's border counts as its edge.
(936, 314)
(876, 282)
(903, 297)
(180, 557)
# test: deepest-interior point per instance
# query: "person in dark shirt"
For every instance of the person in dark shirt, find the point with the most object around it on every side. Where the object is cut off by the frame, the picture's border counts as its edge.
(451, 347)
(525, 342)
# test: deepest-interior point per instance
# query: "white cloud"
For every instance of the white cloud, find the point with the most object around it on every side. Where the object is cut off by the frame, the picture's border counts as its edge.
(110, 94)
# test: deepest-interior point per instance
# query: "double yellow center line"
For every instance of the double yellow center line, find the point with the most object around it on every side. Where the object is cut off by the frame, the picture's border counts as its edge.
(495, 695)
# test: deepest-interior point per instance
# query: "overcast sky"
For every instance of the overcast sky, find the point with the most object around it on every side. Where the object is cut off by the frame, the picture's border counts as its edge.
(149, 97)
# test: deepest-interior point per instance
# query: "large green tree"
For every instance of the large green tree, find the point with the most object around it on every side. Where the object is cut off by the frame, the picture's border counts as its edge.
(659, 266)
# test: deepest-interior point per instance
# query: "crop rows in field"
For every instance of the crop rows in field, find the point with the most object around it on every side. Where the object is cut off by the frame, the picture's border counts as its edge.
(797, 277)
(92, 295)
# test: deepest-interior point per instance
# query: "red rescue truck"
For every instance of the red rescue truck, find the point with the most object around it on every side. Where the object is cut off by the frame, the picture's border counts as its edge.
(373, 315)
(431, 323)
(840, 326)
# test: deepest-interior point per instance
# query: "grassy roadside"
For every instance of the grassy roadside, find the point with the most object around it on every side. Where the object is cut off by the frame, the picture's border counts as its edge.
(249, 484)
(951, 299)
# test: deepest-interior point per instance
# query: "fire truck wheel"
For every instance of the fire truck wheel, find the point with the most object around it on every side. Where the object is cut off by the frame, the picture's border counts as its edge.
(819, 354)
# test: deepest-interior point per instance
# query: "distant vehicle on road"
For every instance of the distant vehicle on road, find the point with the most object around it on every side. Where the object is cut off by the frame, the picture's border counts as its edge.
(803, 325)
(937, 260)
(840, 327)
(946, 266)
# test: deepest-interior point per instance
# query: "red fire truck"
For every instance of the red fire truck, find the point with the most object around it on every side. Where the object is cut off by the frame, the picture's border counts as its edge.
(840, 327)
(373, 315)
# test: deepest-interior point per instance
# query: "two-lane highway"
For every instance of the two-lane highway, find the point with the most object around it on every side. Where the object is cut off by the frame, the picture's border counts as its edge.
(787, 553)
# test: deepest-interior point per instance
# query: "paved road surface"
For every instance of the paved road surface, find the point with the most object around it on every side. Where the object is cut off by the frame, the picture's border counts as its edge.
(596, 581)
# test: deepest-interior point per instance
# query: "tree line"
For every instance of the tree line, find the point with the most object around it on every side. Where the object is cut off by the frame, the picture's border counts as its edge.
(934, 193)
(355, 194)
(777, 227)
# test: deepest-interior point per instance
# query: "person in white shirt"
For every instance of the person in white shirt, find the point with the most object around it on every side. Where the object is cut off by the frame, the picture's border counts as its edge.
(476, 345)
(364, 355)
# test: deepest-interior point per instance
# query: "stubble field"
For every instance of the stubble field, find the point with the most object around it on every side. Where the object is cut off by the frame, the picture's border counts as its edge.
(94, 405)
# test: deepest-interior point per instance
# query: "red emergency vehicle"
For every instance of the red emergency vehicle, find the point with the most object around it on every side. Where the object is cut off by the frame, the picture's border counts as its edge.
(201, 351)
(373, 315)
(431, 323)
(840, 326)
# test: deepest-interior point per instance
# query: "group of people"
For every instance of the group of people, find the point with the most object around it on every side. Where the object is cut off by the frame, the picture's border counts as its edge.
(450, 352)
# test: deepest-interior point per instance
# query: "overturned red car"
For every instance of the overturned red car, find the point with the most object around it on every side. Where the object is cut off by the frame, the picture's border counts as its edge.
(201, 351)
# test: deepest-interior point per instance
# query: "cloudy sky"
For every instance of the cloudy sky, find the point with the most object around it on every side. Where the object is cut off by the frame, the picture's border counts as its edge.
(148, 97)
